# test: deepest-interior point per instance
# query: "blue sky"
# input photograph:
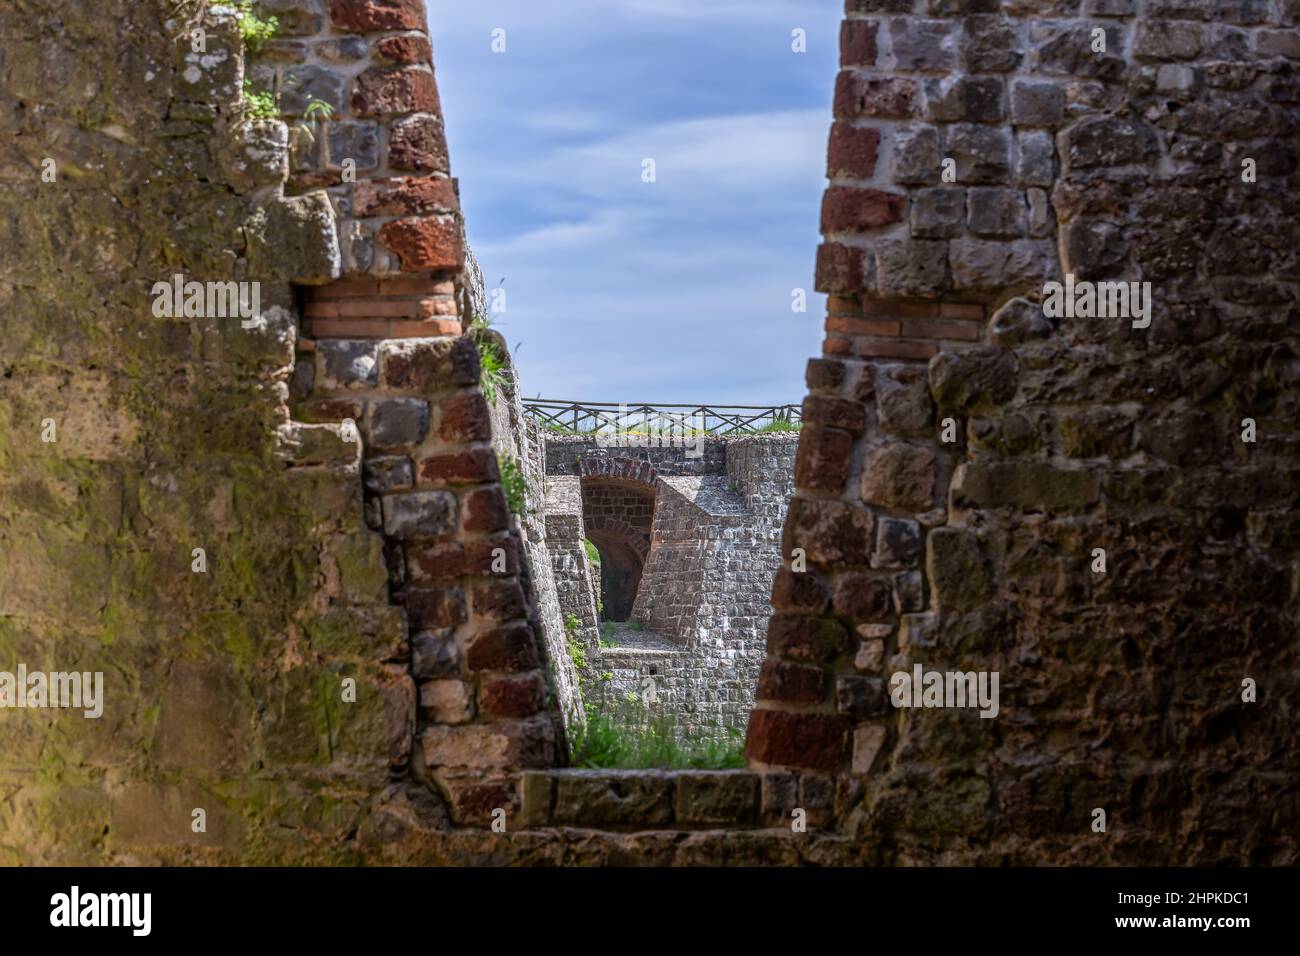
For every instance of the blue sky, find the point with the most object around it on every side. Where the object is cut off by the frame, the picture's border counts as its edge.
(620, 290)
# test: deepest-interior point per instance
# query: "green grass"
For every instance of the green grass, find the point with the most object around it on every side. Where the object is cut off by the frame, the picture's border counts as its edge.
(514, 484)
(254, 29)
(780, 425)
(633, 738)
(260, 105)
(492, 364)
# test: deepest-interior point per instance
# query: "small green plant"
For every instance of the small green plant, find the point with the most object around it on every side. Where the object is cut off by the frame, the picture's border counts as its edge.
(514, 484)
(577, 654)
(260, 105)
(571, 624)
(316, 111)
(606, 676)
(492, 363)
(631, 736)
(635, 626)
(781, 425)
(254, 29)
(607, 628)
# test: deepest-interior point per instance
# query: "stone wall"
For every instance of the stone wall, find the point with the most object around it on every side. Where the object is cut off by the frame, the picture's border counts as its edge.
(702, 599)
(1077, 504)
(184, 512)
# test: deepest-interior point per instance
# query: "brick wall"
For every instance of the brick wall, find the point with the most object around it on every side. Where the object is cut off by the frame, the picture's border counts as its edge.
(965, 453)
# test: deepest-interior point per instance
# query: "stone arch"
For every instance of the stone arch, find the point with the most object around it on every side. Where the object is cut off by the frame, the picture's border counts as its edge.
(618, 501)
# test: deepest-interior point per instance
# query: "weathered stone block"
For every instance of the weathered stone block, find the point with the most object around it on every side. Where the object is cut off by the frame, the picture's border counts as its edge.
(815, 741)
(989, 44)
(791, 682)
(447, 701)
(397, 422)
(973, 380)
(1025, 485)
(965, 99)
(922, 44)
(861, 598)
(982, 153)
(996, 212)
(938, 212)
(510, 744)
(1037, 103)
(899, 476)
(301, 85)
(898, 543)
(860, 697)
(727, 798)
(807, 638)
(614, 797)
(418, 143)
(916, 155)
(829, 532)
(911, 267)
(958, 570)
(903, 403)
(420, 514)
(995, 264)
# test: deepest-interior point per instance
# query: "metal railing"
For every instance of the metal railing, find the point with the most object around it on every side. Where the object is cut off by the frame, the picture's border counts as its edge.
(581, 418)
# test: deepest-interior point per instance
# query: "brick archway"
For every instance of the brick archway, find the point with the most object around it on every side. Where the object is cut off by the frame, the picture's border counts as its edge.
(618, 502)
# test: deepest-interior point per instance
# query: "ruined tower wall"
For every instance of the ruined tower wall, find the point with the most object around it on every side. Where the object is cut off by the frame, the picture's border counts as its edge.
(966, 455)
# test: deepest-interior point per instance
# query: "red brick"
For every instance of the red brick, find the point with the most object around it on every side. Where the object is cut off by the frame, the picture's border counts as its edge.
(374, 308)
(464, 417)
(849, 209)
(791, 683)
(862, 598)
(815, 741)
(349, 329)
(436, 607)
(451, 560)
(807, 638)
(795, 591)
(499, 600)
(835, 413)
(852, 151)
(860, 94)
(834, 345)
(900, 308)
(519, 696)
(472, 467)
(368, 16)
(438, 308)
(824, 374)
(852, 326)
(886, 348)
(423, 328)
(508, 650)
(839, 268)
(485, 509)
(424, 243)
(415, 285)
(411, 48)
(822, 460)
(332, 410)
(858, 42)
(402, 196)
(830, 532)
(324, 310)
(382, 92)
(843, 305)
(418, 143)
(925, 328)
(344, 288)
(961, 310)
(474, 798)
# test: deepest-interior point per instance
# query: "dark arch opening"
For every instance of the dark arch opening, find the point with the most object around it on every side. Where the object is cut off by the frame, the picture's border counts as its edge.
(617, 515)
